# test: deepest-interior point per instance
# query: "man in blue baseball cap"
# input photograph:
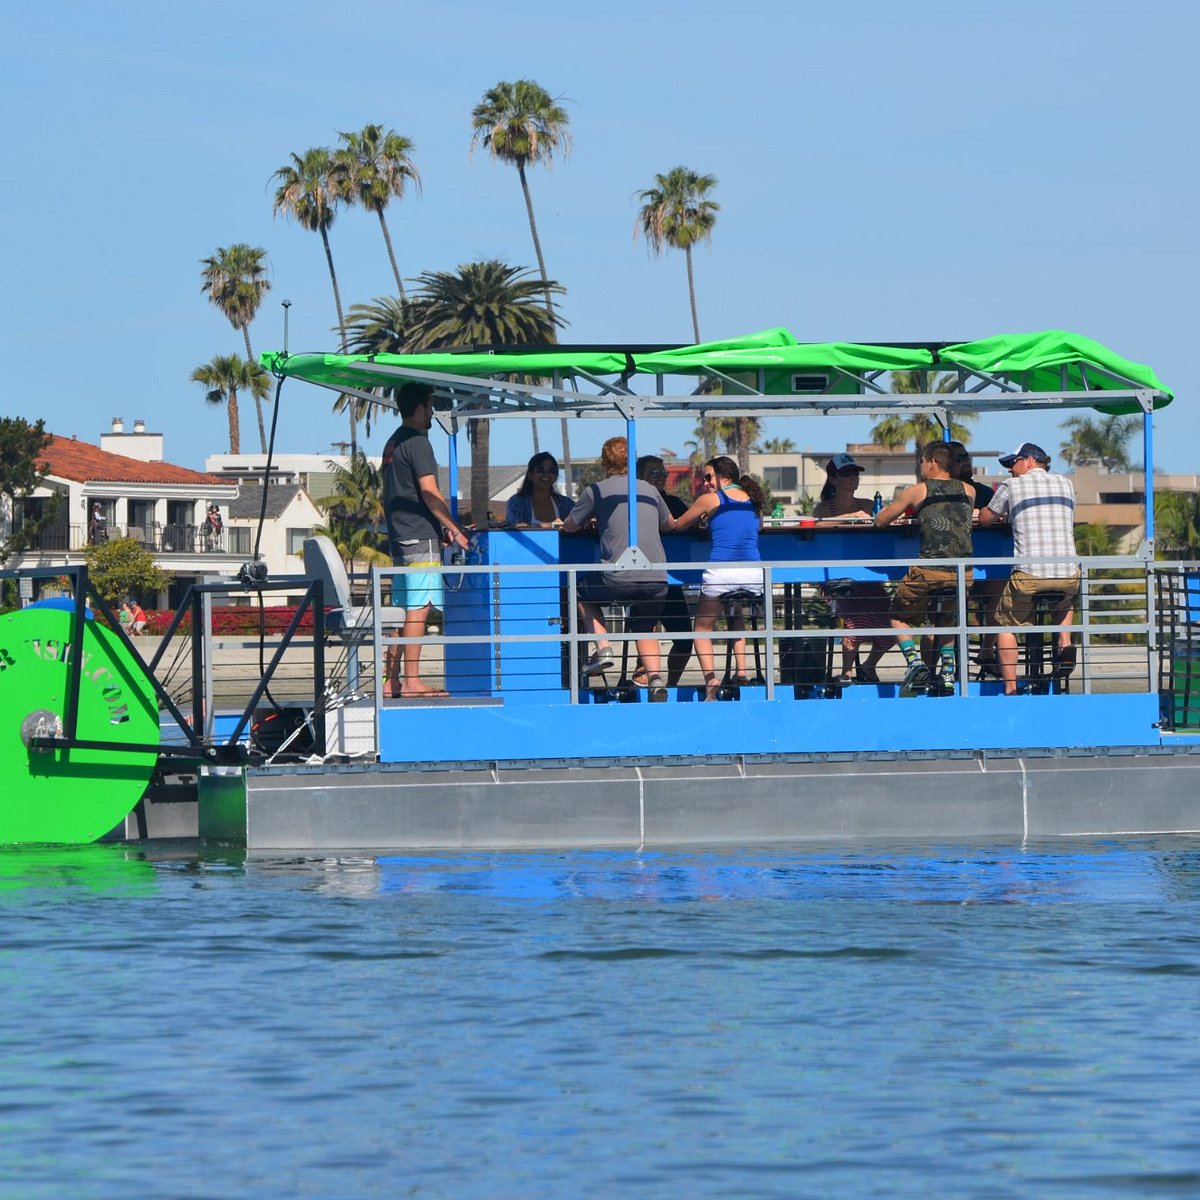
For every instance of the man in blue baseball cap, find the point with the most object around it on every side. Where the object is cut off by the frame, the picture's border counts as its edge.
(1040, 506)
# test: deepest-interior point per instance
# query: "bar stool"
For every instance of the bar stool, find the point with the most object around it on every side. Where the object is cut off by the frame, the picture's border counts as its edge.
(624, 691)
(943, 608)
(1040, 679)
(733, 603)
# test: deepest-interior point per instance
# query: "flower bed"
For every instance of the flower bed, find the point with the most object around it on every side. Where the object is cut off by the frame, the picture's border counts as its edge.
(229, 621)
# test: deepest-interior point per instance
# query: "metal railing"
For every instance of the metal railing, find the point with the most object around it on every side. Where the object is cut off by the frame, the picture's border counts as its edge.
(161, 539)
(513, 632)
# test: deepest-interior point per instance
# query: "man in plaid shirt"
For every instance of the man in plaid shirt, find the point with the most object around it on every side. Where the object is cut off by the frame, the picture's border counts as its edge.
(1040, 506)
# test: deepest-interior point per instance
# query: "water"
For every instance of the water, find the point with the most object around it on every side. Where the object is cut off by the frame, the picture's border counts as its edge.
(987, 1021)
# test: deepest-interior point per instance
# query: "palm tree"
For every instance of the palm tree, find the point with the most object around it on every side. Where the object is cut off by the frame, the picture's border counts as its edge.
(223, 376)
(776, 446)
(734, 435)
(381, 327)
(1103, 441)
(308, 190)
(355, 513)
(235, 280)
(894, 432)
(376, 165)
(677, 213)
(1177, 524)
(486, 302)
(522, 123)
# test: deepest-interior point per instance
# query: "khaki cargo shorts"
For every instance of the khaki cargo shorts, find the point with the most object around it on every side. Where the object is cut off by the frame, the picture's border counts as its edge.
(910, 603)
(1015, 606)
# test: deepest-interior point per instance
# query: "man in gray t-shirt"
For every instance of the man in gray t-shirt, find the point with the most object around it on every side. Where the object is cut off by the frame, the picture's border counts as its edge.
(644, 591)
(417, 515)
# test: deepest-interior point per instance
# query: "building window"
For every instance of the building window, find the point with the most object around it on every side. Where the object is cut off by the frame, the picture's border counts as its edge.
(239, 540)
(295, 541)
(780, 479)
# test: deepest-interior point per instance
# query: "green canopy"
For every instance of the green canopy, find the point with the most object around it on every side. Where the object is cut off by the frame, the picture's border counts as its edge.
(1055, 360)
(767, 363)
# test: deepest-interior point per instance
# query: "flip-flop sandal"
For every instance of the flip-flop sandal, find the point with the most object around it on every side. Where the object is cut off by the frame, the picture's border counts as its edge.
(1066, 660)
(639, 678)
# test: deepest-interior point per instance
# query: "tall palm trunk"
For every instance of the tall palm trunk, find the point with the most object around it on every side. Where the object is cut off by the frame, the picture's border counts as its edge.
(235, 437)
(687, 250)
(337, 300)
(480, 435)
(537, 249)
(262, 429)
(743, 445)
(387, 237)
(537, 245)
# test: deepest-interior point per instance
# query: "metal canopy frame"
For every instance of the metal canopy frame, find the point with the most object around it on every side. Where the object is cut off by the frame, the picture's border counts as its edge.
(497, 397)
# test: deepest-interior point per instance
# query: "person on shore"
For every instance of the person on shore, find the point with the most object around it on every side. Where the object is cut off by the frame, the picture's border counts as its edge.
(864, 604)
(733, 507)
(125, 616)
(418, 522)
(537, 500)
(1040, 507)
(137, 621)
(676, 618)
(97, 526)
(213, 528)
(943, 508)
(643, 591)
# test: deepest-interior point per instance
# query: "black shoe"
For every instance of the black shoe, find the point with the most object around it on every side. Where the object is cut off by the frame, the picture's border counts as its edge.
(1066, 661)
(916, 679)
(989, 664)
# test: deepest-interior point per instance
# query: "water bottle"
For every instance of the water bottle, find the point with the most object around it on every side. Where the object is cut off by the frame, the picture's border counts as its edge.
(777, 512)
(876, 505)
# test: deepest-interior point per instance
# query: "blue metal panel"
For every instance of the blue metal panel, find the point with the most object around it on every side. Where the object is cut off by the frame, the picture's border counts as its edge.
(785, 725)
(522, 604)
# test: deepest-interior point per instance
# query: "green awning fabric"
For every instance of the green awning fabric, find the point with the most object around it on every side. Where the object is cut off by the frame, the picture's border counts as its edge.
(1055, 360)
(772, 359)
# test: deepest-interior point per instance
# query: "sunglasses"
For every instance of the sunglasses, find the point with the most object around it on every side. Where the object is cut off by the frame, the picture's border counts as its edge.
(710, 479)
(551, 471)
(844, 471)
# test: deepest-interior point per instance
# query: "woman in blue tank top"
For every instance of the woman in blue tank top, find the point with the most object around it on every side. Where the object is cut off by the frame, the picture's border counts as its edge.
(733, 507)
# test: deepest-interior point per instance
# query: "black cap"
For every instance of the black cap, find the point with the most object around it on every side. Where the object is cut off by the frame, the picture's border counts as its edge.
(1024, 450)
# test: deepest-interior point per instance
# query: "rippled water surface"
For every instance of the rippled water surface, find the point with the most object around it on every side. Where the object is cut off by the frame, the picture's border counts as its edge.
(991, 1021)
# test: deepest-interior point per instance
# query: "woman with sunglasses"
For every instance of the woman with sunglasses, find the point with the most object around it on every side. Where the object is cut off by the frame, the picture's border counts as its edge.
(537, 501)
(734, 508)
(842, 475)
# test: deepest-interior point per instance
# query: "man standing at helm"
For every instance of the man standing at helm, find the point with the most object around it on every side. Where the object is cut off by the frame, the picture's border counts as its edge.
(418, 523)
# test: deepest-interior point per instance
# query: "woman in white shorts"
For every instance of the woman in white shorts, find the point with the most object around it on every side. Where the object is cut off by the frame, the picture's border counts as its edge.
(734, 508)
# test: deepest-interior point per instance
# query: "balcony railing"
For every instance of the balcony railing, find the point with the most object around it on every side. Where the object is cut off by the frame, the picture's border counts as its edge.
(160, 539)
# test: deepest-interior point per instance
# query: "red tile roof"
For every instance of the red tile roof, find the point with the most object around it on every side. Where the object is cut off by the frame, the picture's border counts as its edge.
(86, 463)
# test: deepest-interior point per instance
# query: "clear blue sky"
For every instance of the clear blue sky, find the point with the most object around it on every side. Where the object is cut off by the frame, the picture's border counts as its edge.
(891, 172)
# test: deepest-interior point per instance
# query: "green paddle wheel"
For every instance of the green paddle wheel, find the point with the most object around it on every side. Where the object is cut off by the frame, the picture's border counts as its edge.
(78, 793)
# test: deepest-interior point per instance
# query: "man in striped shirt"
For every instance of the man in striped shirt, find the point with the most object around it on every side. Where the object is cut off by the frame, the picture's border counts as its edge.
(1040, 506)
